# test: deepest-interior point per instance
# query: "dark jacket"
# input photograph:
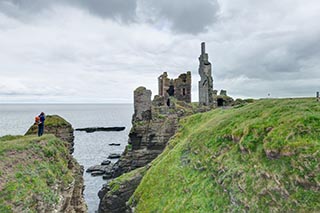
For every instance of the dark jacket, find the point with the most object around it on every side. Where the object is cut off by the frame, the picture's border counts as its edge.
(42, 118)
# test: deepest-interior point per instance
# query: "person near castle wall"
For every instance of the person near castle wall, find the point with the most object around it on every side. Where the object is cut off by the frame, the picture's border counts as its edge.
(42, 118)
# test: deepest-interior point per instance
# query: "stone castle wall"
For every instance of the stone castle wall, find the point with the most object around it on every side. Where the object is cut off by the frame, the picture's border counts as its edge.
(180, 88)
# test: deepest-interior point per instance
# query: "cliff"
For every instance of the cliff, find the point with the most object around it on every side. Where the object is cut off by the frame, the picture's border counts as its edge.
(263, 156)
(38, 174)
(153, 124)
(56, 125)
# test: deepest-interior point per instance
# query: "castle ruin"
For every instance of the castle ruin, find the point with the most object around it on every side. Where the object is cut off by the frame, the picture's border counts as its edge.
(179, 88)
(206, 82)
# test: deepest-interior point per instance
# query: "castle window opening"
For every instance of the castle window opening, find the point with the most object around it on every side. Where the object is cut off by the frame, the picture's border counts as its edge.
(184, 91)
(220, 102)
(171, 90)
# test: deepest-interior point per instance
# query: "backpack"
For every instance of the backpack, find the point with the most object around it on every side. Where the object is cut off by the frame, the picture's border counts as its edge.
(37, 120)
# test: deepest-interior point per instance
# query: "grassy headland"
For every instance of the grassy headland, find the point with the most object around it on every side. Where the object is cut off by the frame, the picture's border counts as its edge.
(263, 156)
(31, 169)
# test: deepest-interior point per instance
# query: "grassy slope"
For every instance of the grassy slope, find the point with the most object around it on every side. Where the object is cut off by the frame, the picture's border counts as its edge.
(217, 161)
(52, 121)
(30, 169)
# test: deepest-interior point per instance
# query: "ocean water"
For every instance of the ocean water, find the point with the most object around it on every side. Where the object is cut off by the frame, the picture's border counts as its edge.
(90, 148)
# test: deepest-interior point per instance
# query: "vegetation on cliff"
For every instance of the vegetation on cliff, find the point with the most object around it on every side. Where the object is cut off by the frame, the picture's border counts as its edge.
(263, 156)
(39, 174)
(51, 122)
(31, 169)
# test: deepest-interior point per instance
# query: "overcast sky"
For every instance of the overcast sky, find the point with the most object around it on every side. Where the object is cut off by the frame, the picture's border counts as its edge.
(101, 50)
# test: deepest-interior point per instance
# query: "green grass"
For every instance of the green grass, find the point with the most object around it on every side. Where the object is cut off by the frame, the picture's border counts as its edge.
(56, 120)
(52, 121)
(31, 168)
(127, 177)
(261, 157)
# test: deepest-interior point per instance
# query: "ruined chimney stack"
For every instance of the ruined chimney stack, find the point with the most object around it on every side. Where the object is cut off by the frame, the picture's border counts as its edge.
(318, 96)
(203, 48)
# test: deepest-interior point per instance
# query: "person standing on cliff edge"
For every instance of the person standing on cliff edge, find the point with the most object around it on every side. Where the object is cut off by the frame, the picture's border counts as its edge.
(42, 118)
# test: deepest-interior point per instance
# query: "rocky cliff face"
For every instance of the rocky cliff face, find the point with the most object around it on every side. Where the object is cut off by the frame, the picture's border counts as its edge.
(71, 198)
(147, 140)
(115, 195)
(153, 124)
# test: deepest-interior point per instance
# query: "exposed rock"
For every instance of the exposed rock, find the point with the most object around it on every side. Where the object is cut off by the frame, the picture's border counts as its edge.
(97, 173)
(101, 168)
(98, 129)
(105, 162)
(71, 198)
(107, 176)
(142, 104)
(114, 144)
(114, 156)
(147, 140)
(113, 196)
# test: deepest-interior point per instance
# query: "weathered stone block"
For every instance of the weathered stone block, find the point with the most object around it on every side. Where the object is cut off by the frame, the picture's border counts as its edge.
(142, 104)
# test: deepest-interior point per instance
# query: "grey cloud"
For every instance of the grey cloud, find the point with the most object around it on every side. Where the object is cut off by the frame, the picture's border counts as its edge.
(184, 16)
(121, 10)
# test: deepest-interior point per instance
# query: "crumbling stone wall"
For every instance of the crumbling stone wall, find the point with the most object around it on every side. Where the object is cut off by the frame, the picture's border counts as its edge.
(152, 127)
(179, 88)
(182, 87)
(206, 82)
(142, 104)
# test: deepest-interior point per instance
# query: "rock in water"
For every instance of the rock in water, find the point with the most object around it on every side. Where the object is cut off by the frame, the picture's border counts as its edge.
(102, 168)
(105, 162)
(98, 129)
(114, 156)
(97, 173)
(114, 144)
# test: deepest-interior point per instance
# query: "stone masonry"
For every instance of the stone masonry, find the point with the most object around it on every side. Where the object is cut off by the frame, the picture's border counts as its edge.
(179, 88)
(206, 82)
(142, 104)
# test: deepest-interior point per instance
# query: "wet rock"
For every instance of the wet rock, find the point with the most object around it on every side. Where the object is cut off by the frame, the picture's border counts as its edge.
(114, 199)
(105, 162)
(97, 173)
(107, 176)
(114, 156)
(102, 168)
(97, 129)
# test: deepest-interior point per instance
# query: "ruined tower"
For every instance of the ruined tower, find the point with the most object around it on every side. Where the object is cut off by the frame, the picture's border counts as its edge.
(206, 82)
(180, 88)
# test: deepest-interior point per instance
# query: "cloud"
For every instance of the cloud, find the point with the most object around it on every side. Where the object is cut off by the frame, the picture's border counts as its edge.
(77, 51)
(121, 10)
(182, 16)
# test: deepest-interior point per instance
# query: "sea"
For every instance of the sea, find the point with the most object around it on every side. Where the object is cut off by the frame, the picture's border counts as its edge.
(90, 148)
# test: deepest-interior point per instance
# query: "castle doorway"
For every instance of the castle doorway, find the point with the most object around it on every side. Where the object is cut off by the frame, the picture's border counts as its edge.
(170, 91)
(220, 102)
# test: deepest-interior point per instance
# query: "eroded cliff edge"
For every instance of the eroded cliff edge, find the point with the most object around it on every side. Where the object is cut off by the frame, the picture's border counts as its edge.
(153, 124)
(39, 174)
